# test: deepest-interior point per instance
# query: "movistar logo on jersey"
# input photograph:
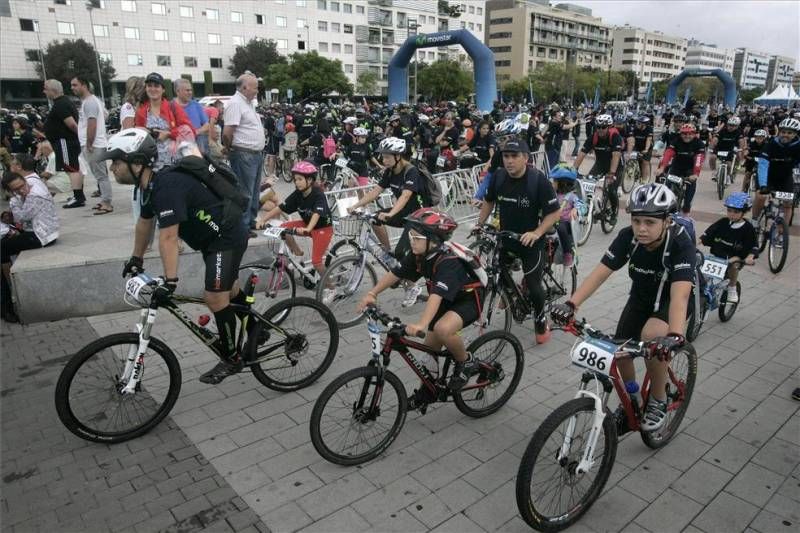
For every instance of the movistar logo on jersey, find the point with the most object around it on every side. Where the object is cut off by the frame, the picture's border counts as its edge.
(204, 217)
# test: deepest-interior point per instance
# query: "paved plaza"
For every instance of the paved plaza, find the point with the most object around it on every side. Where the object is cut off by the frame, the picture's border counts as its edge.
(238, 456)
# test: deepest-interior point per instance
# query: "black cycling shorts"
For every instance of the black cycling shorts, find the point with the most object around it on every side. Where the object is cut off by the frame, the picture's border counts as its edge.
(222, 268)
(635, 315)
(785, 184)
(466, 305)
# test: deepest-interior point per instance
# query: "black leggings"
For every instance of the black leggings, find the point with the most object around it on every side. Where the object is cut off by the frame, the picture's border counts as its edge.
(532, 264)
(13, 245)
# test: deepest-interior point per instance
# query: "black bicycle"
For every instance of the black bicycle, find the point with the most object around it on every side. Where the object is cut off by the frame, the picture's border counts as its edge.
(121, 386)
(360, 413)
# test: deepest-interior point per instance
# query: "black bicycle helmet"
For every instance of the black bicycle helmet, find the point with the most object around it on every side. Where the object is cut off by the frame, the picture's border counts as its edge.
(652, 200)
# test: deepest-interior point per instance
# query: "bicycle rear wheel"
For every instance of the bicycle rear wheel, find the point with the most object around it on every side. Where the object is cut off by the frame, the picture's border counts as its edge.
(726, 310)
(356, 418)
(551, 494)
(350, 282)
(629, 175)
(778, 246)
(88, 398)
(680, 386)
(288, 163)
(502, 362)
(607, 213)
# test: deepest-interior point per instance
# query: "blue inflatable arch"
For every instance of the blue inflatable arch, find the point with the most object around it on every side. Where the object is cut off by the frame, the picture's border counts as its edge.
(726, 79)
(482, 59)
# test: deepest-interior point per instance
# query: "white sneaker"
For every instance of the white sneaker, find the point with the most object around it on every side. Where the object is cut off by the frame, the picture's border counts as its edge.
(732, 296)
(412, 293)
(328, 296)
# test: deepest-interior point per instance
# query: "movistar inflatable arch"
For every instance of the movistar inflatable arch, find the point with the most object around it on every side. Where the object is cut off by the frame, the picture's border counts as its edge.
(482, 59)
(726, 79)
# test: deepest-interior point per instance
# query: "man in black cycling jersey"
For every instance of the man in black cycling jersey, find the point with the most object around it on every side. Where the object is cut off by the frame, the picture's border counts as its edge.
(684, 157)
(607, 145)
(527, 205)
(642, 135)
(185, 209)
(661, 264)
(726, 140)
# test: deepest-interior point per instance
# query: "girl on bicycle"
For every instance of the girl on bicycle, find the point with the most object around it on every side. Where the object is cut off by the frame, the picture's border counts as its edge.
(564, 178)
(661, 264)
(734, 238)
(309, 202)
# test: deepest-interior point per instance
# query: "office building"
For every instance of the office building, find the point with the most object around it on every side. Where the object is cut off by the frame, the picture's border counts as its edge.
(652, 55)
(750, 68)
(780, 71)
(705, 56)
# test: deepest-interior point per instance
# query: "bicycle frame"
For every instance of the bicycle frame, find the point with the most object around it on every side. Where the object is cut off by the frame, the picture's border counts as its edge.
(282, 258)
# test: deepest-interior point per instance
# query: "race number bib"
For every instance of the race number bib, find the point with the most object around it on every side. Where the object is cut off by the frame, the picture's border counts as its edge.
(375, 338)
(593, 354)
(714, 267)
(634, 156)
(441, 161)
(781, 195)
(341, 162)
(674, 179)
(135, 285)
(722, 154)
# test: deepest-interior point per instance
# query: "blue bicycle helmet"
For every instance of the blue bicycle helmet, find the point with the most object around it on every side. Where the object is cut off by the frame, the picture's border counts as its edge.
(738, 200)
(563, 171)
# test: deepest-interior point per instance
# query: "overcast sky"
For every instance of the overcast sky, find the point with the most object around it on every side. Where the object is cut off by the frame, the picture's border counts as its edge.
(764, 25)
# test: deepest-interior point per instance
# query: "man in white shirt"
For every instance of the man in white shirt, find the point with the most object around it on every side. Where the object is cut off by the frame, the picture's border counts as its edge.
(92, 136)
(243, 138)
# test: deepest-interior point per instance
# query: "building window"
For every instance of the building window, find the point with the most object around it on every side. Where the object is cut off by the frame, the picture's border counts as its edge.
(348, 49)
(212, 14)
(161, 35)
(259, 19)
(28, 25)
(301, 45)
(68, 28)
(63, 2)
(236, 16)
(163, 61)
(281, 44)
(105, 57)
(31, 55)
(214, 38)
(480, 27)
(237, 40)
(472, 26)
(323, 47)
(187, 36)
(359, 9)
(336, 48)
(322, 4)
(500, 35)
(130, 7)
(334, 6)
(187, 11)
(471, 10)
(463, 25)
(322, 25)
(347, 8)
(301, 24)
(280, 22)
(503, 63)
(158, 9)
(189, 61)
(216, 62)
(300, 3)
(348, 28)
(348, 69)
(336, 27)
(135, 60)
(100, 30)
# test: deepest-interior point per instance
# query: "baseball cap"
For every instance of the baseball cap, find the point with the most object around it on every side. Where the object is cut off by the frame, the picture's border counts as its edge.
(515, 144)
(154, 77)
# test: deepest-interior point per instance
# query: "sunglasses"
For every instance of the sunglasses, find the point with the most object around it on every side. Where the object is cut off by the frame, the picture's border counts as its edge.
(417, 237)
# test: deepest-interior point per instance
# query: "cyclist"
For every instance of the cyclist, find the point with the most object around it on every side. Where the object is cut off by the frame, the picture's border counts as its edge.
(661, 265)
(607, 144)
(725, 140)
(360, 156)
(185, 209)
(564, 178)
(455, 294)
(684, 157)
(734, 238)
(775, 163)
(527, 205)
(642, 134)
(754, 147)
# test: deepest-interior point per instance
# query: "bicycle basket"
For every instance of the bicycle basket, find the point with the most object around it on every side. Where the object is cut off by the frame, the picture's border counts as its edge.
(138, 291)
(347, 226)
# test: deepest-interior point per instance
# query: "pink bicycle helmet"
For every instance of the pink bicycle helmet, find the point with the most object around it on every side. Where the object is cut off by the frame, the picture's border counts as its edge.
(305, 168)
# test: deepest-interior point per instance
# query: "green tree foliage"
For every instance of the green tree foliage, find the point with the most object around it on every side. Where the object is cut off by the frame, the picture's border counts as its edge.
(256, 56)
(748, 95)
(443, 80)
(63, 60)
(308, 75)
(367, 83)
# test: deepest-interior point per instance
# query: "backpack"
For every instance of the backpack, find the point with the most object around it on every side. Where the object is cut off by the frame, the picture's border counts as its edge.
(221, 181)
(611, 132)
(432, 194)
(328, 147)
(687, 224)
(469, 258)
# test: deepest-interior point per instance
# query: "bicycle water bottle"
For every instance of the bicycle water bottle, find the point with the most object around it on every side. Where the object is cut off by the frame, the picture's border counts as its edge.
(204, 321)
(636, 396)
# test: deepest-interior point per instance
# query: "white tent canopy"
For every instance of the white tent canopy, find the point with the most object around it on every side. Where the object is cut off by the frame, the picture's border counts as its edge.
(782, 95)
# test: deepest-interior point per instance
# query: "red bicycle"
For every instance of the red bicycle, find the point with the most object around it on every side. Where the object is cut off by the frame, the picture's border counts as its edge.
(570, 457)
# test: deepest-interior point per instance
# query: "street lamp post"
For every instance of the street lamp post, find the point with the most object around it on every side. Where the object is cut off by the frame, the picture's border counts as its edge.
(89, 7)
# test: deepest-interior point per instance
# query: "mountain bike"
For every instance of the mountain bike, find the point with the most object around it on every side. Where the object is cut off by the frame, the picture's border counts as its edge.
(631, 173)
(714, 293)
(725, 174)
(570, 457)
(676, 184)
(772, 230)
(593, 192)
(360, 413)
(121, 386)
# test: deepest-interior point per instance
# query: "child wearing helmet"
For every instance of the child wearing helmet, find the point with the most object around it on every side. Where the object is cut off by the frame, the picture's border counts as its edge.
(564, 178)
(360, 155)
(733, 237)
(309, 202)
(446, 160)
(455, 293)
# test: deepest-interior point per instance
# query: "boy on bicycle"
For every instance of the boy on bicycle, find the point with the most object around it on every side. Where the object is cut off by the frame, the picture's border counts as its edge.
(455, 294)
(733, 238)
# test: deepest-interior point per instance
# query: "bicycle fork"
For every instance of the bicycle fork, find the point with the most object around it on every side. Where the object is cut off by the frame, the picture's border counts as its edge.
(587, 457)
(134, 364)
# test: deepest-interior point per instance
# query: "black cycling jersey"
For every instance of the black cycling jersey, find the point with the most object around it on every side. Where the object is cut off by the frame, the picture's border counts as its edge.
(359, 156)
(728, 140)
(408, 180)
(519, 211)
(447, 275)
(307, 206)
(640, 136)
(727, 239)
(713, 121)
(754, 148)
(480, 145)
(781, 159)
(54, 127)
(683, 161)
(604, 148)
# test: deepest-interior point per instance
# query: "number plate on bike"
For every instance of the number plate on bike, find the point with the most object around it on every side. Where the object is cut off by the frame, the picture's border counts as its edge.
(375, 338)
(273, 232)
(714, 267)
(593, 354)
(588, 186)
(441, 161)
(134, 286)
(341, 162)
(722, 154)
(674, 179)
(781, 195)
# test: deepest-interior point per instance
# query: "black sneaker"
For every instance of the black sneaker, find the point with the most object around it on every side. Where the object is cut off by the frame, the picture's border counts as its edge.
(462, 373)
(612, 219)
(221, 370)
(796, 394)
(73, 203)
(654, 415)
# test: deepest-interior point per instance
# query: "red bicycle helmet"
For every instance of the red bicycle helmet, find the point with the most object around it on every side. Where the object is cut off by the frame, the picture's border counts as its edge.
(288, 128)
(305, 168)
(688, 128)
(432, 223)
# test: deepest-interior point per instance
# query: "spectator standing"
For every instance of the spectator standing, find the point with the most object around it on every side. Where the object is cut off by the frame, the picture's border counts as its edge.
(92, 137)
(193, 110)
(134, 91)
(243, 137)
(61, 129)
(161, 119)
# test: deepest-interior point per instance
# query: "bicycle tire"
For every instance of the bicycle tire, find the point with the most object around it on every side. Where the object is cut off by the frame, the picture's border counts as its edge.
(267, 375)
(464, 398)
(587, 224)
(341, 248)
(285, 287)
(339, 274)
(776, 255)
(366, 375)
(660, 438)
(762, 232)
(605, 221)
(695, 321)
(533, 463)
(80, 425)
(287, 168)
(629, 175)
(721, 177)
(726, 310)
(496, 315)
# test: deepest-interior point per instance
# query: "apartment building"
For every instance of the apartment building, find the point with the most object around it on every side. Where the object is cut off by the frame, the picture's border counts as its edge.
(780, 71)
(750, 68)
(526, 34)
(652, 55)
(703, 56)
(188, 37)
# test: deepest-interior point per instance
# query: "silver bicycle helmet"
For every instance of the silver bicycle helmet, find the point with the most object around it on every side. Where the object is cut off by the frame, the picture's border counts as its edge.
(652, 200)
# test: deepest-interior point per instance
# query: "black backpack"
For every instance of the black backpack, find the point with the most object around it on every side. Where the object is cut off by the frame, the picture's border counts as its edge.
(432, 194)
(220, 179)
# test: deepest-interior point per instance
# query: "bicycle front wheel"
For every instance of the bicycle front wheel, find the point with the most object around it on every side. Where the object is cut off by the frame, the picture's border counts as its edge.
(607, 213)
(722, 175)
(762, 230)
(680, 386)
(778, 246)
(502, 362)
(582, 226)
(344, 283)
(295, 353)
(727, 309)
(288, 163)
(629, 175)
(358, 416)
(89, 398)
(551, 492)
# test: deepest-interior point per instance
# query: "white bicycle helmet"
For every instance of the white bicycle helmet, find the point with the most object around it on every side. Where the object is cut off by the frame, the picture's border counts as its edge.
(392, 145)
(789, 124)
(604, 120)
(360, 132)
(760, 133)
(508, 127)
(351, 120)
(134, 145)
(734, 121)
(652, 200)
(423, 118)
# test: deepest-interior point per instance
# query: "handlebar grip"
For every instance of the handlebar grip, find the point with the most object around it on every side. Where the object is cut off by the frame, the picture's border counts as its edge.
(420, 334)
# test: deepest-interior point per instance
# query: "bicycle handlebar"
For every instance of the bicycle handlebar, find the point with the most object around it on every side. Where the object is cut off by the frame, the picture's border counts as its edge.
(628, 347)
(491, 231)
(393, 323)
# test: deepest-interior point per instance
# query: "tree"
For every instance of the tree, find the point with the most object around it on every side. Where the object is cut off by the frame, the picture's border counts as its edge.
(256, 56)
(444, 80)
(309, 75)
(367, 83)
(67, 59)
(748, 95)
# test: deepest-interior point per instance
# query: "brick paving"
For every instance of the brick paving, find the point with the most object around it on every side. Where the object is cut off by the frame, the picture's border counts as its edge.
(238, 456)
